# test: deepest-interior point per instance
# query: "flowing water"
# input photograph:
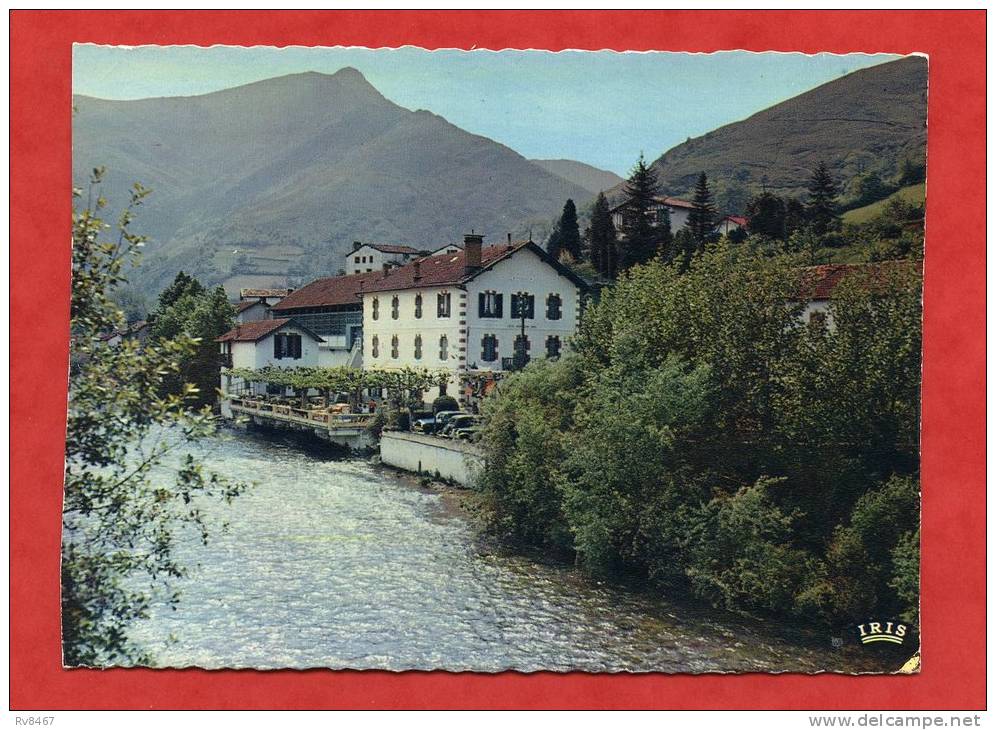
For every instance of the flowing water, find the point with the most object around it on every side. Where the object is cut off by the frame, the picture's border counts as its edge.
(334, 562)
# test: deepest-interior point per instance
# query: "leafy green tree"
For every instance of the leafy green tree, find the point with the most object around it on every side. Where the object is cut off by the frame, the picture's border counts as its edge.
(120, 516)
(821, 208)
(643, 237)
(187, 308)
(702, 217)
(601, 235)
(766, 216)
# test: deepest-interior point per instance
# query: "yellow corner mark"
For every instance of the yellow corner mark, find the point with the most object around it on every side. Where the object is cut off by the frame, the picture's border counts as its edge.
(912, 666)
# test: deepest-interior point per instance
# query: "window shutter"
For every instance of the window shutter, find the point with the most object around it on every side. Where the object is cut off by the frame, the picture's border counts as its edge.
(480, 304)
(276, 347)
(515, 306)
(297, 347)
(498, 306)
(530, 306)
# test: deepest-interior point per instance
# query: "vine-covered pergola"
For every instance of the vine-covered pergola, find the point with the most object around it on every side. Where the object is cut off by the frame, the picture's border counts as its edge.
(404, 386)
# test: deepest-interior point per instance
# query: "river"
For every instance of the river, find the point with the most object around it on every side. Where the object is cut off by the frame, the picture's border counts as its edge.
(335, 562)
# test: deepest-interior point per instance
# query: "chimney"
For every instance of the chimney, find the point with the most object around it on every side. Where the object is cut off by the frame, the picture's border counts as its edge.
(387, 268)
(509, 238)
(417, 267)
(472, 252)
(357, 245)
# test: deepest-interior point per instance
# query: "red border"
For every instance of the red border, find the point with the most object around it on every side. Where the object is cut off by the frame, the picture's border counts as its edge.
(954, 369)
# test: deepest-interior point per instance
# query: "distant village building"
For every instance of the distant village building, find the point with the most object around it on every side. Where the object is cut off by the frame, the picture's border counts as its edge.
(818, 286)
(134, 331)
(677, 208)
(369, 257)
(678, 211)
(269, 296)
(477, 309)
(729, 223)
(251, 310)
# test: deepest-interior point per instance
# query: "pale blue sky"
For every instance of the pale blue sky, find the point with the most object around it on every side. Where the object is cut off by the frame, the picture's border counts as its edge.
(599, 107)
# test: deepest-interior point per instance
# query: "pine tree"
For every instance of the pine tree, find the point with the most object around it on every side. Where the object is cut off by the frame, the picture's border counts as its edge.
(640, 238)
(602, 239)
(570, 235)
(821, 208)
(702, 217)
(766, 216)
(554, 244)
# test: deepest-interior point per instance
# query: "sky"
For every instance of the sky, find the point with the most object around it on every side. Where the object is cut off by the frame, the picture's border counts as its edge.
(600, 107)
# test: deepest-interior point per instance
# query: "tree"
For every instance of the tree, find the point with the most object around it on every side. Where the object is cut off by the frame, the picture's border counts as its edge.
(570, 235)
(702, 217)
(120, 519)
(601, 235)
(766, 216)
(642, 239)
(187, 308)
(821, 207)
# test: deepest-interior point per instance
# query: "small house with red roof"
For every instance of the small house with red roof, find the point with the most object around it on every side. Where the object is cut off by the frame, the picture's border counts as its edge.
(277, 342)
(368, 257)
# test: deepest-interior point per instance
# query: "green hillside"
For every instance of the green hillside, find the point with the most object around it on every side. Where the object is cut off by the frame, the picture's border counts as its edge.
(915, 194)
(869, 120)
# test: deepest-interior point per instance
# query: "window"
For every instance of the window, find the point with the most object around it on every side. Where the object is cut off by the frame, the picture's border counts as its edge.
(418, 347)
(523, 304)
(553, 306)
(444, 348)
(489, 304)
(443, 305)
(418, 306)
(489, 348)
(553, 346)
(286, 346)
(375, 308)
(356, 259)
(395, 307)
(394, 347)
(375, 346)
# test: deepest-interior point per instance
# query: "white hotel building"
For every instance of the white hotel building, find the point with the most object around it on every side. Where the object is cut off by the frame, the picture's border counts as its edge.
(470, 310)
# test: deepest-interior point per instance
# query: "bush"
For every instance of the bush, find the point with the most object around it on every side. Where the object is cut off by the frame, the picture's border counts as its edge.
(445, 403)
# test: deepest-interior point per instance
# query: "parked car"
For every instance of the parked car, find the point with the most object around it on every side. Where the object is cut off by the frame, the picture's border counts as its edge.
(434, 424)
(456, 423)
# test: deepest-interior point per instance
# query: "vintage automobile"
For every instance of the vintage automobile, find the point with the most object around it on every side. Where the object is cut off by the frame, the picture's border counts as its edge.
(458, 423)
(434, 424)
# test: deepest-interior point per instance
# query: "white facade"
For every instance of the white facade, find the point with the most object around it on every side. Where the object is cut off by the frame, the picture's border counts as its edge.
(253, 313)
(394, 336)
(368, 258)
(261, 354)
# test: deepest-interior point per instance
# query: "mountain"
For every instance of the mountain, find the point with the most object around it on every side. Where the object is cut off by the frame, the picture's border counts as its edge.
(869, 120)
(592, 179)
(278, 177)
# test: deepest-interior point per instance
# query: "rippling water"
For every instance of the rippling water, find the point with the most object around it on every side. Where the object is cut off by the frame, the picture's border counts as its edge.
(337, 563)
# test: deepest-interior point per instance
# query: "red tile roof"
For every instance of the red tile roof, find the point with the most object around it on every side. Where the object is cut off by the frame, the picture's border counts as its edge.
(391, 248)
(738, 219)
(255, 331)
(820, 282)
(665, 199)
(244, 305)
(444, 269)
(328, 292)
(247, 293)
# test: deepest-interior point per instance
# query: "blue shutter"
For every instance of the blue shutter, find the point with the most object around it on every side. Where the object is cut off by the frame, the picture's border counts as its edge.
(498, 306)
(480, 304)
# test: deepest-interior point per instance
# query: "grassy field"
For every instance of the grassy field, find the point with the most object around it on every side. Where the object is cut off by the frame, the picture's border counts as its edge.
(911, 194)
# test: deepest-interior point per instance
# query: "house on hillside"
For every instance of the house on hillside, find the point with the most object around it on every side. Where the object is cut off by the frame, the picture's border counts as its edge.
(479, 309)
(132, 331)
(729, 223)
(279, 342)
(677, 208)
(368, 257)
